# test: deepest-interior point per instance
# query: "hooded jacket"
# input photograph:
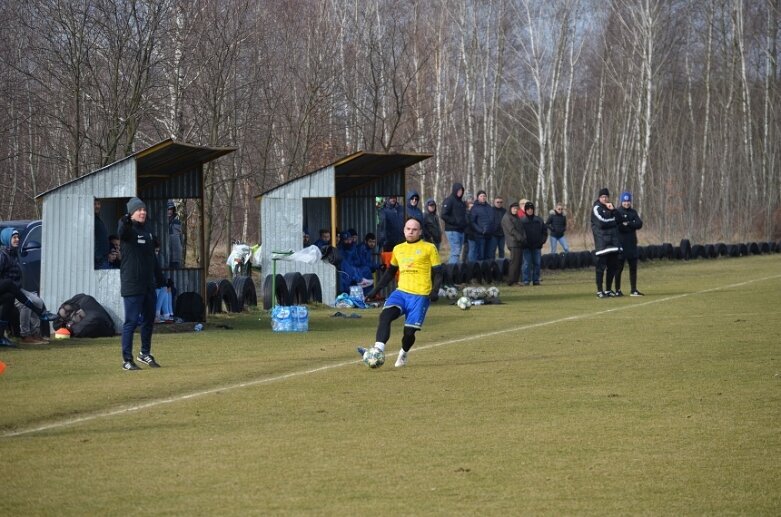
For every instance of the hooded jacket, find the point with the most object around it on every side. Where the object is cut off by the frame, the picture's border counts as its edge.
(432, 232)
(536, 231)
(414, 211)
(9, 259)
(140, 270)
(454, 210)
(605, 229)
(482, 218)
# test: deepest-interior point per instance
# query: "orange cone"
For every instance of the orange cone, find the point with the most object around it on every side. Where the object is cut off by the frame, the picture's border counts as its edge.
(2, 367)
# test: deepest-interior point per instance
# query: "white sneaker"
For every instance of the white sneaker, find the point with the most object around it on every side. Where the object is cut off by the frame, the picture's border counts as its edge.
(402, 359)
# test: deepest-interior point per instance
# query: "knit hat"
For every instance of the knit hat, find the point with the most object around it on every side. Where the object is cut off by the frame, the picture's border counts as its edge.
(516, 205)
(481, 192)
(626, 196)
(430, 201)
(345, 235)
(604, 192)
(134, 205)
(528, 205)
(5, 236)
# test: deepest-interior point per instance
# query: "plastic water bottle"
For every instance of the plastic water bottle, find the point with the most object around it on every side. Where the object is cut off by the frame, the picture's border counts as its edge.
(198, 327)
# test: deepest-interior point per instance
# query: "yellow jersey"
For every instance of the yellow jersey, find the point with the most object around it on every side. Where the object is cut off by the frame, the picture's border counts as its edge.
(415, 261)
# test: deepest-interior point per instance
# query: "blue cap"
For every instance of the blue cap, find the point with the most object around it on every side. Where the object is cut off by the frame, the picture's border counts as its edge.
(626, 196)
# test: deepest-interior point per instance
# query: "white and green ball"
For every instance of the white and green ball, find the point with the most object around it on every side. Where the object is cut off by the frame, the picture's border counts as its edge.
(464, 303)
(373, 357)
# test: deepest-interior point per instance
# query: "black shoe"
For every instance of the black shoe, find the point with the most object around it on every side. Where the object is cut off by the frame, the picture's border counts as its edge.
(619, 293)
(611, 294)
(601, 294)
(47, 316)
(130, 365)
(536, 283)
(148, 360)
(636, 293)
(4, 341)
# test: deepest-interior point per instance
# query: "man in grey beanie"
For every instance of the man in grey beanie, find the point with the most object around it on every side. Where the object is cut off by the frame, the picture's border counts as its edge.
(140, 274)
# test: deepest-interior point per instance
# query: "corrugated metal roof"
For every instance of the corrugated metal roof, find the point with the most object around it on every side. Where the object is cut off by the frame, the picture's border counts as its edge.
(160, 161)
(361, 168)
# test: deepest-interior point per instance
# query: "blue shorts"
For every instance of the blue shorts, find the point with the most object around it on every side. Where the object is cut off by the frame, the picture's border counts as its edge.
(413, 307)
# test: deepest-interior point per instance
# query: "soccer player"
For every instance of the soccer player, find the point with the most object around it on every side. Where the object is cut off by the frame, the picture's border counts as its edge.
(420, 276)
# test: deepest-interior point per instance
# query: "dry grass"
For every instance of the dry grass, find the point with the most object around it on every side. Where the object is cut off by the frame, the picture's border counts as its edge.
(553, 403)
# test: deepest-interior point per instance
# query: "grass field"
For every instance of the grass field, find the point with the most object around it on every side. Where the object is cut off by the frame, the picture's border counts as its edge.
(553, 403)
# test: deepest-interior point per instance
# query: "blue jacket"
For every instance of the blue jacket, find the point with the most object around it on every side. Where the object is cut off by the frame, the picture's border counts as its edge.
(482, 217)
(391, 228)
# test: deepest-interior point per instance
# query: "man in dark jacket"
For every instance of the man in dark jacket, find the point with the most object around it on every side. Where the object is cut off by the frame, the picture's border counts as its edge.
(628, 223)
(482, 219)
(497, 243)
(413, 206)
(11, 289)
(516, 239)
(391, 227)
(432, 232)
(139, 275)
(606, 242)
(175, 237)
(454, 216)
(557, 225)
(536, 235)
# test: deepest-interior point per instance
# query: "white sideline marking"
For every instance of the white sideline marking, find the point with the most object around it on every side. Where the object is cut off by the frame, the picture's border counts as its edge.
(268, 380)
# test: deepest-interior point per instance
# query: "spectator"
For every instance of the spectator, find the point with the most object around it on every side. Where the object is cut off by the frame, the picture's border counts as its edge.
(391, 227)
(164, 311)
(606, 242)
(420, 277)
(306, 241)
(628, 223)
(140, 275)
(115, 253)
(454, 216)
(482, 217)
(10, 290)
(516, 239)
(175, 238)
(432, 232)
(325, 239)
(413, 206)
(536, 235)
(557, 225)
(470, 249)
(365, 254)
(497, 242)
(101, 239)
(350, 271)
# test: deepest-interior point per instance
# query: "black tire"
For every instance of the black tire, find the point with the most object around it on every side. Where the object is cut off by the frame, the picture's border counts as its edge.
(722, 249)
(711, 251)
(447, 274)
(245, 291)
(227, 295)
(496, 271)
(213, 303)
(314, 291)
(586, 258)
(190, 307)
(642, 254)
(486, 276)
(764, 247)
(667, 250)
(743, 249)
(753, 248)
(296, 289)
(677, 253)
(698, 251)
(504, 266)
(686, 249)
(280, 295)
(734, 250)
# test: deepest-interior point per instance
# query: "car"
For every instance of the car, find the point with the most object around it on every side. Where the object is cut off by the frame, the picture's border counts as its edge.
(29, 252)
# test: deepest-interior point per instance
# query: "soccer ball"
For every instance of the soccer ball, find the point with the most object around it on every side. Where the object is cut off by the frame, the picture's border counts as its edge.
(480, 293)
(373, 357)
(493, 292)
(464, 303)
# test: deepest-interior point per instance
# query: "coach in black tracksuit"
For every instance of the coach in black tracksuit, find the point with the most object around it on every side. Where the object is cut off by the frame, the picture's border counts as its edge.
(628, 223)
(140, 274)
(606, 241)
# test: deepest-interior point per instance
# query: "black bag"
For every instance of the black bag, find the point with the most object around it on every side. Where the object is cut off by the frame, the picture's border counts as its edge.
(190, 307)
(84, 317)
